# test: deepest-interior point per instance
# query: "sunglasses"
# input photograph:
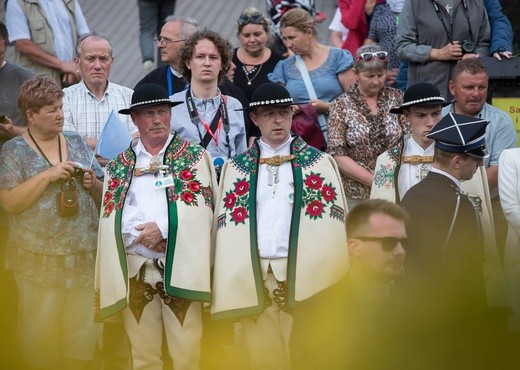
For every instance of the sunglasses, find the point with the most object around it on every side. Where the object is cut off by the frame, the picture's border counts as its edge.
(388, 243)
(255, 19)
(369, 55)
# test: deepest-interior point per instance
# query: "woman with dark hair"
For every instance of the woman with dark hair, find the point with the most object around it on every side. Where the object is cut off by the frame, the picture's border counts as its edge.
(51, 197)
(360, 125)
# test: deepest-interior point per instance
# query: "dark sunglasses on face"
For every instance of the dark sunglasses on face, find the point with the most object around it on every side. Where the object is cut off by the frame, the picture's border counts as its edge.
(388, 243)
(246, 19)
(368, 56)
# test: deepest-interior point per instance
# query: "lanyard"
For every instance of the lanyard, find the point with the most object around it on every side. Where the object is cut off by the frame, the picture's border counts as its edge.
(213, 130)
(449, 34)
(169, 82)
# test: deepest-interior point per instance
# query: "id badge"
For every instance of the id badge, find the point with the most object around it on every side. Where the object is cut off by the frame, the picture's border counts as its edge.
(163, 181)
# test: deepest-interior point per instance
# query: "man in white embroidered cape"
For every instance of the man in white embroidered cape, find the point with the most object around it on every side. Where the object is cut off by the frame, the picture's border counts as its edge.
(407, 163)
(151, 264)
(280, 230)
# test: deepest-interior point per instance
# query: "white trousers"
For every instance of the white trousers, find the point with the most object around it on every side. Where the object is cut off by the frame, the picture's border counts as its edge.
(267, 337)
(146, 336)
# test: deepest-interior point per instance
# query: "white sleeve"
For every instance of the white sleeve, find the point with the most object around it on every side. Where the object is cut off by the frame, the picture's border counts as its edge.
(16, 22)
(81, 22)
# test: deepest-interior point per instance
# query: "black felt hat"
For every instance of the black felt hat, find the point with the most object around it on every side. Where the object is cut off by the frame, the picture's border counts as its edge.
(147, 95)
(456, 133)
(270, 94)
(420, 94)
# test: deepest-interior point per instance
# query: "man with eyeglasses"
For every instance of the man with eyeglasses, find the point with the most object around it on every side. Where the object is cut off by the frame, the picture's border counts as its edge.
(444, 265)
(354, 324)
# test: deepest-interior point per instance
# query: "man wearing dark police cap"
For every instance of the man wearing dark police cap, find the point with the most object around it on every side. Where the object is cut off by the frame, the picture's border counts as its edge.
(280, 230)
(153, 261)
(444, 265)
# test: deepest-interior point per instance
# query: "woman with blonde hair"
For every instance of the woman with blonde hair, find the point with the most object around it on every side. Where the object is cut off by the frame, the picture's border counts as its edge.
(329, 69)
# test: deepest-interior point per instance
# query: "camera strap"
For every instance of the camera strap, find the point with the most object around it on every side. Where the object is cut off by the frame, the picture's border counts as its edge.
(40, 149)
(449, 34)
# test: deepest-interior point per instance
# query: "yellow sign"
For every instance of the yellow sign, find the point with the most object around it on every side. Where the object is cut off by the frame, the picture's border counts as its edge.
(512, 107)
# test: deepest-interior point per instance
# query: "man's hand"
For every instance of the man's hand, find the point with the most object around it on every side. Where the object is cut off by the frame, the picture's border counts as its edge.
(451, 51)
(150, 236)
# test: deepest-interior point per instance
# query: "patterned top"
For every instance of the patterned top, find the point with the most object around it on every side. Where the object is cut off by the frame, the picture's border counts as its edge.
(43, 247)
(87, 115)
(382, 31)
(355, 132)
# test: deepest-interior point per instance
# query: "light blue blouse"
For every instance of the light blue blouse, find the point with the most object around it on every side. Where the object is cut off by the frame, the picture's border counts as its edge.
(324, 78)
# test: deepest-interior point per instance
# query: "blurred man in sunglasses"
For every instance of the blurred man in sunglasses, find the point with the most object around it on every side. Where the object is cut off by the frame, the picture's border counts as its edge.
(346, 324)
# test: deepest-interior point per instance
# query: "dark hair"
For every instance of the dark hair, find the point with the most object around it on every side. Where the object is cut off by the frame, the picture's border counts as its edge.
(471, 65)
(94, 36)
(359, 215)
(36, 93)
(3, 31)
(223, 46)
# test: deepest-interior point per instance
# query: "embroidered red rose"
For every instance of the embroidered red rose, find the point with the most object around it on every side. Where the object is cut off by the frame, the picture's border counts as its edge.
(231, 199)
(314, 208)
(241, 187)
(107, 198)
(313, 181)
(328, 193)
(108, 208)
(187, 197)
(186, 175)
(239, 214)
(194, 186)
(113, 184)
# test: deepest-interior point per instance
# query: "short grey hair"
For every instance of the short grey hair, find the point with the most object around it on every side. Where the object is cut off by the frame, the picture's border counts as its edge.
(374, 65)
(189, 25)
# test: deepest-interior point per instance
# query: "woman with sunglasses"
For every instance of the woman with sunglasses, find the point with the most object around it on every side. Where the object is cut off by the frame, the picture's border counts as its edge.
(360, 125)
(51, 200)
(329, 68)
(253, 58)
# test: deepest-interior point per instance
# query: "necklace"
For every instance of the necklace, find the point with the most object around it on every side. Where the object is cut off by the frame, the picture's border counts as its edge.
(40, 149)
(256, 69)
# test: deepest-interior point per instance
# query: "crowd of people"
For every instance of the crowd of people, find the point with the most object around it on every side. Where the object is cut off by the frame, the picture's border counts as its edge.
(218, 237)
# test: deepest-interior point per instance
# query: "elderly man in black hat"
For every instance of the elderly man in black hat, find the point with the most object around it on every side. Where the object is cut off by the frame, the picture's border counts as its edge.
(280, 230)
(153, 261)
(444, 264)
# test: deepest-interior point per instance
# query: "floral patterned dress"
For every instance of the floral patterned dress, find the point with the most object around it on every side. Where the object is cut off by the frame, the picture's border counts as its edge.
(357, 133)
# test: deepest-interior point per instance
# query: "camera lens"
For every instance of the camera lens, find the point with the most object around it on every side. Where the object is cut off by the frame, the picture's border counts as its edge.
(468, 46)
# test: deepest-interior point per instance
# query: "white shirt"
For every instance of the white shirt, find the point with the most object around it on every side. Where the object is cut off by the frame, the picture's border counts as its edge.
(144, 203)
(410, 174)
(274, 204)
(56, 15)
(455, 180)
(336, 25)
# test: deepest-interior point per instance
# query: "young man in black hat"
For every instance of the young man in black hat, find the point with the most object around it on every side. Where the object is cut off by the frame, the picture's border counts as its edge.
(444, 264)
(280, 230)
(152, 264)
(408, 162)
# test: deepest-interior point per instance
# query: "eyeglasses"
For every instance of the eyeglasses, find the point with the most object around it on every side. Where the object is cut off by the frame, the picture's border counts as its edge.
(388, 243)
(255, 18)
(369, 55)
(161, 40)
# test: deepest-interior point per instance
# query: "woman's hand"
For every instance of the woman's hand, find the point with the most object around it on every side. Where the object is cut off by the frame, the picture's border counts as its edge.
(89, 179)
(61, 171)
(321, 106)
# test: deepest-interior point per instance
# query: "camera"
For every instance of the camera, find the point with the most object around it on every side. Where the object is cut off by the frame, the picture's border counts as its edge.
(78, 171)
(468, 46)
